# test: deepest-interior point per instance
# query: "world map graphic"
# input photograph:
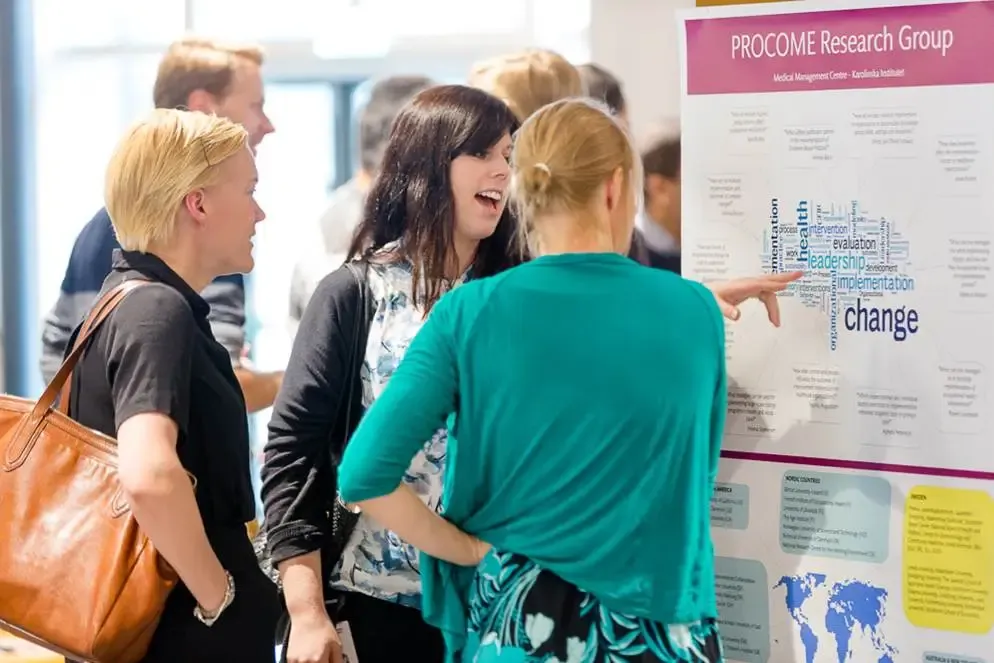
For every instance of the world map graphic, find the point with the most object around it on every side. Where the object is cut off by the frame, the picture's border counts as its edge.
(838, 617)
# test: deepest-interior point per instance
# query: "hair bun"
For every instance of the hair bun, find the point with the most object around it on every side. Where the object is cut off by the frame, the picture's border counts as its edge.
(541, 177)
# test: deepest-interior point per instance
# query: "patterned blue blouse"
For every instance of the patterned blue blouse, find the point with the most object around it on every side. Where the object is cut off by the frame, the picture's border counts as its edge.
(375, 561)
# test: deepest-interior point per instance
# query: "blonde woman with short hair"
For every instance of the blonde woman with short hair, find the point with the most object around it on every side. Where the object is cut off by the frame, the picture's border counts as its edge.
(180, 193)
(585, 396)
(194, 74)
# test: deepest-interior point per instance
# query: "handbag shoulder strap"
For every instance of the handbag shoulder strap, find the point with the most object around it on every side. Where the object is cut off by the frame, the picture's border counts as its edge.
(357, 347)
(62, 382)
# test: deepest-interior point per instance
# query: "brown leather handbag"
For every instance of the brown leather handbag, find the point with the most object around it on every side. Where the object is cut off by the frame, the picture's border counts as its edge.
(77, 575)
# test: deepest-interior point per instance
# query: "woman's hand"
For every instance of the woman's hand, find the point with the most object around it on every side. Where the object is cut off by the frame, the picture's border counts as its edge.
(160, 494)
(313, 639)
(764, 288)
(480, 549)
(403, 513)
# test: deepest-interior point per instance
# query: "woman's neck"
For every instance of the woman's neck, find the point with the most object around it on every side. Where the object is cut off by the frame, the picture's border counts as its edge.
(184, 262)
(456, 262)
(465, 254)
(567, 233)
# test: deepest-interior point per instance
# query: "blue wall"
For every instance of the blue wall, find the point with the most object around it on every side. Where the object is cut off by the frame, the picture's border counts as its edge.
(18, 248)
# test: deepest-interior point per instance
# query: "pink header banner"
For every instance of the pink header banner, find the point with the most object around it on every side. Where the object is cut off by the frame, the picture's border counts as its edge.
(877, 47)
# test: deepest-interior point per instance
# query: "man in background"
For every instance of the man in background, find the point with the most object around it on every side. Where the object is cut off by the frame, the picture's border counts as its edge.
(659, 224)
(604, 86)
(345, 207)
(656, 238)
(199, 75)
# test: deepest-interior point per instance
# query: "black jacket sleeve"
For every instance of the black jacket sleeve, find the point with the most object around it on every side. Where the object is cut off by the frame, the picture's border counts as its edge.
(638, 251)
(308, 427)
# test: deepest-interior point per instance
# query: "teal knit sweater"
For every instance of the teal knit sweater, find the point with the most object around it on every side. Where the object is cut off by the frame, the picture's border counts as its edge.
(585, 400)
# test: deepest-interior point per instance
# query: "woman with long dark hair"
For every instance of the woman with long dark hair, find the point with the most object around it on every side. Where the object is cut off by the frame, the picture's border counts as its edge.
(435, 216)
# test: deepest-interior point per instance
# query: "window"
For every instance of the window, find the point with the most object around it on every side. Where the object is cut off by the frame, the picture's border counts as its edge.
(354, 31)
(75, 140)
(263, 20)
(84, 104)
(562, 25)
(453, 17)
(66, 24)
(295, 166)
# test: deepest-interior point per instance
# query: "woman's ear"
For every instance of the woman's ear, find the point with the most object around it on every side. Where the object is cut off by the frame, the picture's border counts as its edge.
(615, 190)
(193, 204)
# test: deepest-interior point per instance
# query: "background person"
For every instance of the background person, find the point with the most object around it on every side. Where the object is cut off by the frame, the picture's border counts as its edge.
(604, 86)
(659, 222)
(528, 79)
(344, 211)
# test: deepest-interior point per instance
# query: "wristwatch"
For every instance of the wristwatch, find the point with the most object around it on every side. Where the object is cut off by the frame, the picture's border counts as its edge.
(208, 618)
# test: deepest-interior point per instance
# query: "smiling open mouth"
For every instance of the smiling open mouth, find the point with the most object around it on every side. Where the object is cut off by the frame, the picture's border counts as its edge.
(490, 198)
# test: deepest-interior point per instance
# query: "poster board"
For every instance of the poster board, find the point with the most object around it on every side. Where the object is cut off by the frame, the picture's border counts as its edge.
(854, 519)
(720, 3)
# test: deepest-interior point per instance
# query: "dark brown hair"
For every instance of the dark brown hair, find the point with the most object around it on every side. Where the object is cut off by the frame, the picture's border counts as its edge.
(386, 97)
(411, 198)
(661, 152)
(603, 85)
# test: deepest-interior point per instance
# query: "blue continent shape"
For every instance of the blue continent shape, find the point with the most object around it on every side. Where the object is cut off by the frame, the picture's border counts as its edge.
(855, 604)
(797, 590)
(851, 604)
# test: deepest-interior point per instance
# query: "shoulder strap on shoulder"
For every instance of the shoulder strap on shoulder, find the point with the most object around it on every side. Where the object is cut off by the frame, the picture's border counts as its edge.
(62, 382)
(360, 335)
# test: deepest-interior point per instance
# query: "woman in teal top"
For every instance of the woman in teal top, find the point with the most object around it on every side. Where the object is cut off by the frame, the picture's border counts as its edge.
(585, 399)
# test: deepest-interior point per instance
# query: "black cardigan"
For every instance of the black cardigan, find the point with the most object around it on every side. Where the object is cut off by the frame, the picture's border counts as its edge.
(308, 430)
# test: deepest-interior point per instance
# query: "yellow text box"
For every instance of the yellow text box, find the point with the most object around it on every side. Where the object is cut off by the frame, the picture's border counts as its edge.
(948, 561)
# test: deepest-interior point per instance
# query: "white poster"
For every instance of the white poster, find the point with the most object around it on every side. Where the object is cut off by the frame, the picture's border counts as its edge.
(854, 518)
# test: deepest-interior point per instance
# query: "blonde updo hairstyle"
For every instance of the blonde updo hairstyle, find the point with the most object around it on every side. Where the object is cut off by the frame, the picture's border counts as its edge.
(528, 80)
(160, 160)
(562, 155)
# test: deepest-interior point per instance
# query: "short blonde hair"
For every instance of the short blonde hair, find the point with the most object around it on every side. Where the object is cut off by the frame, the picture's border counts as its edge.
(160, 160)
(562, 155)
(192, 64)
(528, 80)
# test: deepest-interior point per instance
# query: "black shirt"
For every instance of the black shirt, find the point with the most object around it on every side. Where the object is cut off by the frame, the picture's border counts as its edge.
(156, 353)
(641, 253)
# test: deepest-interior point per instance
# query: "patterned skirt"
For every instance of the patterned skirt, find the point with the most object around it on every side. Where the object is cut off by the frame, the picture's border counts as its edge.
(520, 613)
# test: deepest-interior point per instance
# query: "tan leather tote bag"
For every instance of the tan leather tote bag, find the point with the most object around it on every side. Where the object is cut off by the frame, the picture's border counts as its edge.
(77, 575)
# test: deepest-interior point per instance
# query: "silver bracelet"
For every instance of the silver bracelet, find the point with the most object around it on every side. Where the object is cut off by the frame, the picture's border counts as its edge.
(208, 618)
